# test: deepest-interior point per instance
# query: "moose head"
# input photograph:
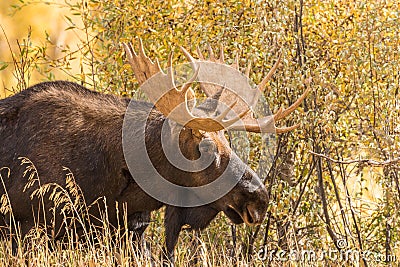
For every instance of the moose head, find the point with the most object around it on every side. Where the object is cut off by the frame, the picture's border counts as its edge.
(195, 135)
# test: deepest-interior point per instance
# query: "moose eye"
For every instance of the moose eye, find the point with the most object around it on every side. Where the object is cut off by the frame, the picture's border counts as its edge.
(207, 146)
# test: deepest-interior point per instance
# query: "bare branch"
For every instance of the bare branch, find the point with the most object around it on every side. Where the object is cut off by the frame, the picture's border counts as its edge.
(369, 162)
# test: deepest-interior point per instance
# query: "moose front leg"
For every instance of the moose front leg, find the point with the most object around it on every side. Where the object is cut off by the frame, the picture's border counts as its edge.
(197, 218)
(137, 224)
(173, 224)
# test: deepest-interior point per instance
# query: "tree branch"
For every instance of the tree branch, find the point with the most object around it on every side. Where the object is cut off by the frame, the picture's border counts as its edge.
(369, 162)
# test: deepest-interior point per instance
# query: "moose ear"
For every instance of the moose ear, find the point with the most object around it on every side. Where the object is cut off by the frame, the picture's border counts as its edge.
(198, 133)
(175, 129)
(210, 106)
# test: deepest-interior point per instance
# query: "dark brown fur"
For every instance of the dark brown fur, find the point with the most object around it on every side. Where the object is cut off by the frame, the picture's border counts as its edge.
(57, 124)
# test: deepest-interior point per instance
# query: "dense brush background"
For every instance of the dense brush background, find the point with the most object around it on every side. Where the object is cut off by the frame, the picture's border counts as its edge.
(334, 183)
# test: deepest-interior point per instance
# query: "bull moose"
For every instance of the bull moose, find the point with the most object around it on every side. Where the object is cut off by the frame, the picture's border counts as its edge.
(61, 123)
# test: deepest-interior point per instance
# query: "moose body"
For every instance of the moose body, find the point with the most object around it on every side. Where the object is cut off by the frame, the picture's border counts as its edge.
(62, 124)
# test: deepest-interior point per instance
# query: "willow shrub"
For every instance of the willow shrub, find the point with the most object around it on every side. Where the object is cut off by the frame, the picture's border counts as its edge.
(350, 49)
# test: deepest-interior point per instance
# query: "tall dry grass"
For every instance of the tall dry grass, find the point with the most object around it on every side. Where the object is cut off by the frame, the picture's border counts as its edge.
(350, 48)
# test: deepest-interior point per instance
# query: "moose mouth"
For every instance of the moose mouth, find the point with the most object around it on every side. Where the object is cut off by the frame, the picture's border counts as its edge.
(246, 215)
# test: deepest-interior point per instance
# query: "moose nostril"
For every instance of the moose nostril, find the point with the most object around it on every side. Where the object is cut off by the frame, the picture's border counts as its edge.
(252, 215)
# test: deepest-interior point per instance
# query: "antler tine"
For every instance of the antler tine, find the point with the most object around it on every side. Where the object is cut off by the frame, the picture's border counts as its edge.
(221, 53)
(283, 113)
(225, 124)
(142, 53)
(197, 69)
(278, 114)
(263, 83)
(223, 114)
(128, 50)
(210, 52)
(234, 120)
(189, 57)
(248, 68)
(280, 130)
(235, 65)
(132, 60)
(187, 84)
(199, 53)
(141, 49)
(170, 70)
(141, 64)
(244, 113)
(170, 58)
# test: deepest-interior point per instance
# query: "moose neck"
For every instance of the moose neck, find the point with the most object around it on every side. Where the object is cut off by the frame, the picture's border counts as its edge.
(155, 146)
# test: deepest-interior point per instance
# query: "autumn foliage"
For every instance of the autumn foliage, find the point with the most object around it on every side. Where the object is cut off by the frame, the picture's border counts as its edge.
(334, 179)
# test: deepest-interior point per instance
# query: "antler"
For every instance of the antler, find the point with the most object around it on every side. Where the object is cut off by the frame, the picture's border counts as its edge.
(249, 123)
(173, 102)
(170, 100)
(142, 65)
